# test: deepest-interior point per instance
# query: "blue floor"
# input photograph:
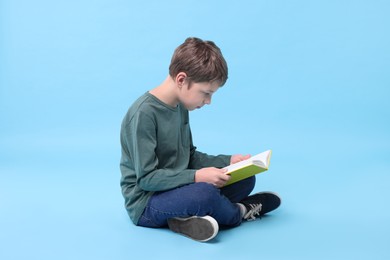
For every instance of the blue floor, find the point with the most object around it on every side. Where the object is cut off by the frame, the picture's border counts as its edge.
(308, 79)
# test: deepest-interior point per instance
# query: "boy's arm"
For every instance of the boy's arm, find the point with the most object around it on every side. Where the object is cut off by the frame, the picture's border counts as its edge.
(139, 142)
(200, 160)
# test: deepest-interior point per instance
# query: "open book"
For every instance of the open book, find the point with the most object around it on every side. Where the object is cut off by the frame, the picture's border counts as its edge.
(249, 167)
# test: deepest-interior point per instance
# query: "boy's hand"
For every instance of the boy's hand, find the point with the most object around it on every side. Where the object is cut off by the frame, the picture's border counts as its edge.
(238, 158)
(212, 175)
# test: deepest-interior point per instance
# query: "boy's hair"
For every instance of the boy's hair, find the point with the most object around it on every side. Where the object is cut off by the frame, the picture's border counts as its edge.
(202, 61)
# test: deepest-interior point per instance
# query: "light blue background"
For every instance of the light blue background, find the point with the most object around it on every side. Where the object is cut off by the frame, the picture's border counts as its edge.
(308, 79)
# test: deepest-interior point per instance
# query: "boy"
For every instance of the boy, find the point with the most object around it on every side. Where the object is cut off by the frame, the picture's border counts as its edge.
(165, 180)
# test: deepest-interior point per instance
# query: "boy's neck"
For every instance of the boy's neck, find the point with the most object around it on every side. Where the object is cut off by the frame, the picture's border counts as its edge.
(166, 92)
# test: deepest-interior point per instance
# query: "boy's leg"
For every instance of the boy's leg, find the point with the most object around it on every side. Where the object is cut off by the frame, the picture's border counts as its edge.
(197, 199)
(238, 191)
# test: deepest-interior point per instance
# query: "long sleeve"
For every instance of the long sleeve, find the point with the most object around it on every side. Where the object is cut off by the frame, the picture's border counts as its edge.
(156, 165)
(201, 160)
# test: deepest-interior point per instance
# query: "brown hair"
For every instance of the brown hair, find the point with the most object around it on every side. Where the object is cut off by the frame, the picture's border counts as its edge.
(202, 61)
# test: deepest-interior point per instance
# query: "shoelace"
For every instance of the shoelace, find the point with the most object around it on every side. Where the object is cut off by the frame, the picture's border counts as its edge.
(253, 212)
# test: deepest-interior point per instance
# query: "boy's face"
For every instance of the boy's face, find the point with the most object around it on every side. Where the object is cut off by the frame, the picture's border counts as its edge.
(196, 95)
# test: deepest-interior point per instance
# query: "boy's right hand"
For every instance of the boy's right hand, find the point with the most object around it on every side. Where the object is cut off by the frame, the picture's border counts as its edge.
(212, 175)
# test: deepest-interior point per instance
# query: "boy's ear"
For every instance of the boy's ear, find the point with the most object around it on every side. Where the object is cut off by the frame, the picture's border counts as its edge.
(181, 78)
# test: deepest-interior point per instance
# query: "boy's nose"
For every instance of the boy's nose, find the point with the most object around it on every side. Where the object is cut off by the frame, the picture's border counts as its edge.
(207, 101)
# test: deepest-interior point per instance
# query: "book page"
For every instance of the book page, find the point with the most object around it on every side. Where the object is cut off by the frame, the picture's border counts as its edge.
(260, 160)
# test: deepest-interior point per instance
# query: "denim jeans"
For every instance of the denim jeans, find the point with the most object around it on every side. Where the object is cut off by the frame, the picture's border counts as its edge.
(198, 199)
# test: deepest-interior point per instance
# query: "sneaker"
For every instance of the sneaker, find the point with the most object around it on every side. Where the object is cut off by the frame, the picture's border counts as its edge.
(198, 228)
(259, 204)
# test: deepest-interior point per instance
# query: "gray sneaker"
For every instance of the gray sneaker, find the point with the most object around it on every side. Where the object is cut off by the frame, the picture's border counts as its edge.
(201, 229)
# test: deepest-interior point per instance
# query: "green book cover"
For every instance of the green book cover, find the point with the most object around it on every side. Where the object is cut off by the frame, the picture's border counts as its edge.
(249, 167)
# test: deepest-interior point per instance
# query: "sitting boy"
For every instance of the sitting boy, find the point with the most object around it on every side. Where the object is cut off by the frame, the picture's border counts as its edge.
(165, 180)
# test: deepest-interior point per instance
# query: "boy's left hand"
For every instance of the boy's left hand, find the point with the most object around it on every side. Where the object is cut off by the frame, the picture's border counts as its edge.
(238, 158)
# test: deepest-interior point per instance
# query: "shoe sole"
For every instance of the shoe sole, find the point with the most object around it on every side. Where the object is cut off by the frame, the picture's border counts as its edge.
(201, 229)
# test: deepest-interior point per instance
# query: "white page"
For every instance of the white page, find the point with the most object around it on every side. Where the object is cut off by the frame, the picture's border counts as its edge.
(260, 159)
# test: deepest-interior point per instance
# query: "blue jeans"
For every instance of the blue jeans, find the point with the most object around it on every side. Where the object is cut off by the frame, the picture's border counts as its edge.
(198, 199)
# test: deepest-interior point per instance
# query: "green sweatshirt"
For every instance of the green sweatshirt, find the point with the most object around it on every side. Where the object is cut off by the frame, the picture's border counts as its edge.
(157, 152)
